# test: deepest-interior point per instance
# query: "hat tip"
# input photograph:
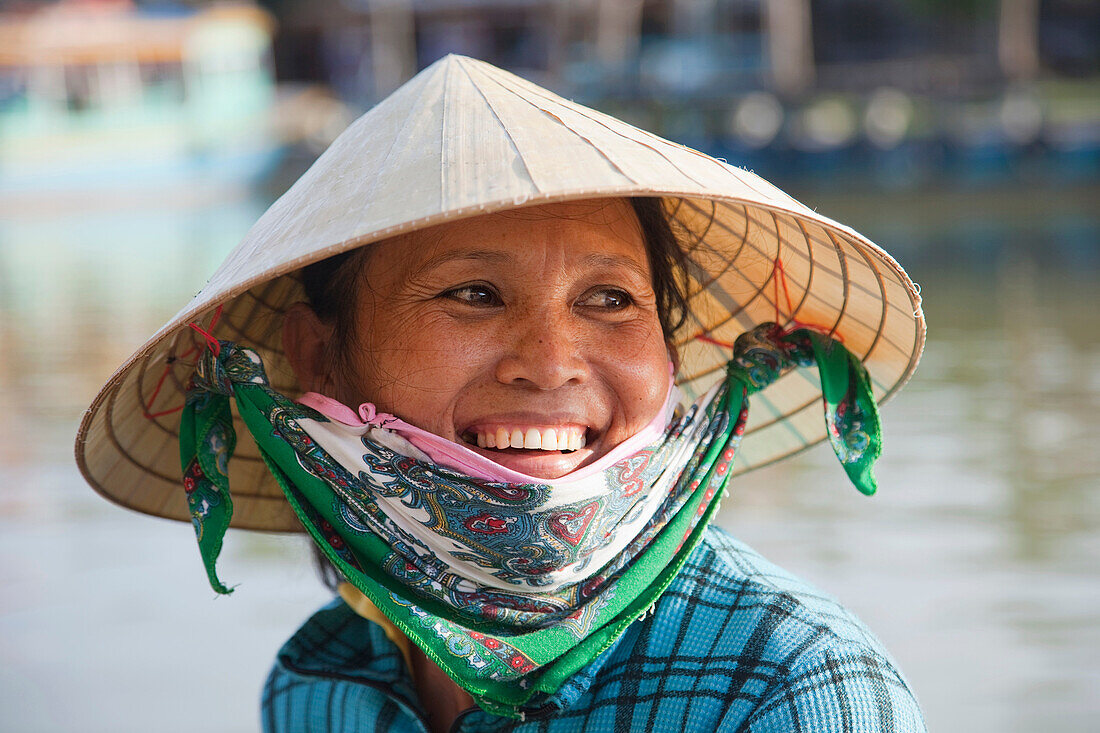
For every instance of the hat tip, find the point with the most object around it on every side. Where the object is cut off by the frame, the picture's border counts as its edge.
(443, 63)
(454, 58)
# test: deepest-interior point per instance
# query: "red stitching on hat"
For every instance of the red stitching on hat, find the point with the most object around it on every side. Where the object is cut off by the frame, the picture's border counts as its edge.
(214, 345)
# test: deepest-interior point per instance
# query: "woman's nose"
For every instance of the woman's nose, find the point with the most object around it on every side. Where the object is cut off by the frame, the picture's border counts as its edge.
(544, 353)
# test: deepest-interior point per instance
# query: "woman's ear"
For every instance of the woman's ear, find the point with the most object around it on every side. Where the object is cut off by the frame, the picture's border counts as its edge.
(305, 342)
(673, 355)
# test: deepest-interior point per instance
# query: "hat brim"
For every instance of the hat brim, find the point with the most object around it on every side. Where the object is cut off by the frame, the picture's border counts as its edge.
(753, 255)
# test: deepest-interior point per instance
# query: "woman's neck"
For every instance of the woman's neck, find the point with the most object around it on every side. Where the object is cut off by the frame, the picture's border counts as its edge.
(440, 696)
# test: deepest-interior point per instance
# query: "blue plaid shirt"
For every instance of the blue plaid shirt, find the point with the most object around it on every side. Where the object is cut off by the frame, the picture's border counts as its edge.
(734, 644)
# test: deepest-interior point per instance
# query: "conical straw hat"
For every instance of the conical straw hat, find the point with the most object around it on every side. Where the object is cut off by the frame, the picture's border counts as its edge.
(464, 138)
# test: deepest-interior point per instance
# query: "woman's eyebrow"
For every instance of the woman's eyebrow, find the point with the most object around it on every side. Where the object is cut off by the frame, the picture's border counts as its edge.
(477, 255)
(601, 259)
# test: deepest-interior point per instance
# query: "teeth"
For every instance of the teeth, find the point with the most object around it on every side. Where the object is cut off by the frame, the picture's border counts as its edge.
(532, 438)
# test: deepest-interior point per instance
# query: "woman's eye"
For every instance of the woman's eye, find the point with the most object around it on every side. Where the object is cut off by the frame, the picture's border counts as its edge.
(477, 295)
(612, 299)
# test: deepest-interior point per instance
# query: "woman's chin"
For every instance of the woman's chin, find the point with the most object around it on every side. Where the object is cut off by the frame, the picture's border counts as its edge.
(538, 463)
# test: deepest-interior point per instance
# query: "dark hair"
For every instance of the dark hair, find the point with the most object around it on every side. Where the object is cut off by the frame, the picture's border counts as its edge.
(666, 263)
(331, 287)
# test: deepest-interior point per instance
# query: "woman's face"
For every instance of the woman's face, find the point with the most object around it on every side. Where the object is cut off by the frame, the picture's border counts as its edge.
(525, 328)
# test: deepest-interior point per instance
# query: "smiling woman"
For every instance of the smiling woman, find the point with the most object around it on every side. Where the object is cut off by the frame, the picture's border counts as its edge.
(496, 354)
(514, 347)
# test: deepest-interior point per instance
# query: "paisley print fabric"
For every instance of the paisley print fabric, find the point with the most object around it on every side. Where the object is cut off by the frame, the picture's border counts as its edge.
(547, 537)
(510, 588)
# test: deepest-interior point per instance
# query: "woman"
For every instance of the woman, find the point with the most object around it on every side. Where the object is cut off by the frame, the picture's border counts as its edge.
(488, 442)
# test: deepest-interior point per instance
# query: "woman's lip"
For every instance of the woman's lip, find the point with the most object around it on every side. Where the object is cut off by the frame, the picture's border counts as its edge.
(537, 463)
(528, 419)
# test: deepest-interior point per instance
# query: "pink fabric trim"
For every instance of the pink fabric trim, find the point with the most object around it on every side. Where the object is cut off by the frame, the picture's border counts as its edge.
(460, 458)
(330, 408)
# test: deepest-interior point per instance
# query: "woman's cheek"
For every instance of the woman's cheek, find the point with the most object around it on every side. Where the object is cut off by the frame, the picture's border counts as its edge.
(425, 336)
(638, 351)
(640, 387)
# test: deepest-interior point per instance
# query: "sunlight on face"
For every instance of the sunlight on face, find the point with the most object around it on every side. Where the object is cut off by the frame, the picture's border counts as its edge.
(521, 334)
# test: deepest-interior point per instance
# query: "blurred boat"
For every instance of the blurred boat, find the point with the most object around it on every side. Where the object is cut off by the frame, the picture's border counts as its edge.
(100, 99)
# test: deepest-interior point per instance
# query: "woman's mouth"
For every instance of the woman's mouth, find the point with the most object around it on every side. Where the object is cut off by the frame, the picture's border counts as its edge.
(527, 437)
(539, 448)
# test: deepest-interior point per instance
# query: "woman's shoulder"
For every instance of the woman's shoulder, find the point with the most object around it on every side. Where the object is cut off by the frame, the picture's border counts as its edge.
(339, 666)
(725, 581)
(754, 647)
(751, 610)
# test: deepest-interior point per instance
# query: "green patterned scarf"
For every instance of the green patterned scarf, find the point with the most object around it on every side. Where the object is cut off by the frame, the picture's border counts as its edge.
(508, 650)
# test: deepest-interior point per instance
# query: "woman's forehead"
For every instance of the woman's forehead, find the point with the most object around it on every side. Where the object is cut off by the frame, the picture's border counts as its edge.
(599, 230)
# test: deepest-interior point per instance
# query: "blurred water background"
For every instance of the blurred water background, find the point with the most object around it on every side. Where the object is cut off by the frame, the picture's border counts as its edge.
(975, 160)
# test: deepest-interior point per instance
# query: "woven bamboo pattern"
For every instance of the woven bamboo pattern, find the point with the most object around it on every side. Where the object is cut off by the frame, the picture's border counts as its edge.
(462, 139)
